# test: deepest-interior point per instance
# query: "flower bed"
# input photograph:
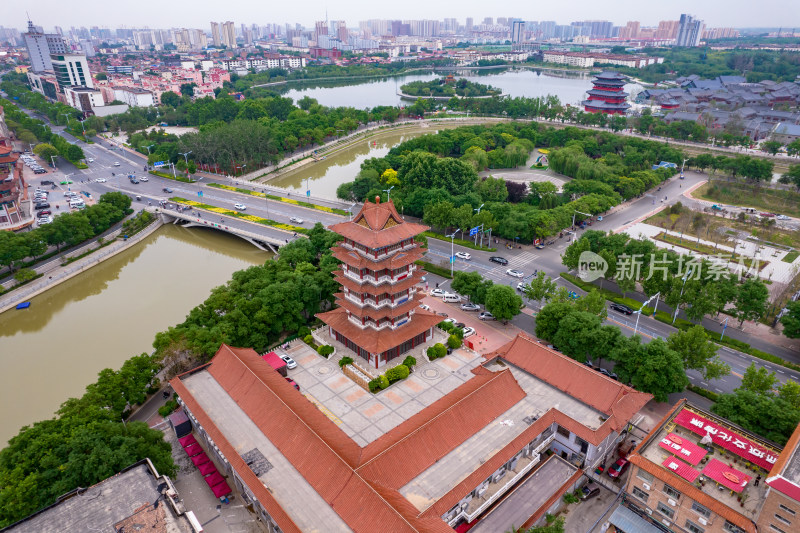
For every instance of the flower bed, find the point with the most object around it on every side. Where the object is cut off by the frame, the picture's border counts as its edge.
(238, 214)
(280, 199)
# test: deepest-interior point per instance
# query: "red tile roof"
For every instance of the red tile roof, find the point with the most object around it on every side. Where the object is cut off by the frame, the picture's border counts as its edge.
(619, 402)
(775, 479)
(379, 341)
(369, 288)
(784, 486)
(378, 233)
(396, 260)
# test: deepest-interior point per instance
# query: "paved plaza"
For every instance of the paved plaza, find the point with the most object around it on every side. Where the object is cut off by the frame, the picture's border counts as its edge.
(364, 416)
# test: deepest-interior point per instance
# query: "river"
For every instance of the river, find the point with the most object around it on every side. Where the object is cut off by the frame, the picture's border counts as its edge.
(568, 86)
(97, 320)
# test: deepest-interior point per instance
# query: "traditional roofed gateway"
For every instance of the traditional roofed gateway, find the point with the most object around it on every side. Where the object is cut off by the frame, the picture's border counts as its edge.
(607, 95)
(378, 316)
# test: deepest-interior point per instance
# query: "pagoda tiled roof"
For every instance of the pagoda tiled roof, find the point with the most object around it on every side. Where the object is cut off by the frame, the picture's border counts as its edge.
(379, 341)
(371, 312)
(396, 260)
(378, 225)
(369, 288)
(600, 104)
(611, 76)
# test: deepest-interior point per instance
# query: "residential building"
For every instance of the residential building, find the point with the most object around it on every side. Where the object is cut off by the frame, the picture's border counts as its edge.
(215, 35)
(667, 29)
(85, 99)
(136, 499)
(690, 31)
(41, 46)
(452, 453)
(517, 31)
(72, 70)
(229, 34)
(12, 183)
(700, 473)
(786, 133)
(607, 95)
(320, 28)
(134, 97)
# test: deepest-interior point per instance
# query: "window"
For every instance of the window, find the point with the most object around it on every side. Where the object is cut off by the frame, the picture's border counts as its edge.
(665, 510)
(773, 527)
(563, 432)
(639, 493)
(646, 476)
(782, 519)
(694, 528)
(784, 508)
(699, 509)
(582, 443)
(733, 528)
(672, 493)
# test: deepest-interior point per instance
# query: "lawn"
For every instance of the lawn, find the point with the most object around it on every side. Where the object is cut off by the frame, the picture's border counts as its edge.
(707, 249)
(790, 257)
(761, 198)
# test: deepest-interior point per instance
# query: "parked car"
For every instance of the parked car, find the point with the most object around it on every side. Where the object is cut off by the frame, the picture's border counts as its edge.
(782, 217)
(605, 372)
(40, 171)
(515, 273)
(618, 468)
(450, 320)
(469, 306)
(624, 309)
(116, 163)
(521, 286)
(89, 160)
(43, 205)
(425, 307)
(589, 491)
(499, 260)
(47, 182)
(486, 315)
(292, 383)
(767, 215)
(460, 325)
(296, 220)
(468, 332)
(463, 255)
(437, 293)
(451, 298)
(290, 363)
(44, 212)
(240, 207)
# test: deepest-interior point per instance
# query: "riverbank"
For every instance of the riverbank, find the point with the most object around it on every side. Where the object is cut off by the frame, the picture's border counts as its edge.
(58, 273)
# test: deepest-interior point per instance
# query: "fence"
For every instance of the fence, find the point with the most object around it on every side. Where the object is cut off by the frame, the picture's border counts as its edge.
(358, 377)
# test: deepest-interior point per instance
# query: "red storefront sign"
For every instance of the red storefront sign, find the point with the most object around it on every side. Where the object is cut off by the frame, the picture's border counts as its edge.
(726, 438)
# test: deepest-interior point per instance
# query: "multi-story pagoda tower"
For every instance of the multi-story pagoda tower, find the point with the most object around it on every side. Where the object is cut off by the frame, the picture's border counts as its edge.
(607, 95)
(378, 315)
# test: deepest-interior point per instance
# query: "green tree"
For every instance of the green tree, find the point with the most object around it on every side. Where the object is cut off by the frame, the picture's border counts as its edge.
(698, 352)
(576, 334)
(793, 175)
(503, 302)
(791, 320)
(187, 89)
(45, 151)
(763, 414)
(594, 302)
(771, 147)
(171, 99)
(492, 189)
(790, 392)
(653, 368)
(550, 317)
(751, 300)
(758, 380)
(541, 287)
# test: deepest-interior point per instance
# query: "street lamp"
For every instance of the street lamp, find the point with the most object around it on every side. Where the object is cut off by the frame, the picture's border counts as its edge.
(388, 192)
(678, 306)
(66, 115)
(148, 148)
(453, 249)
(350, 210)
(478, 210)
(578, 213)
(243, 167)
(186, 156)
(639, 312)
(53, 160)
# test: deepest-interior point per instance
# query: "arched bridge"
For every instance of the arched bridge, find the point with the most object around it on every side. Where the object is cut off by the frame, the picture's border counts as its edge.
(262, 237)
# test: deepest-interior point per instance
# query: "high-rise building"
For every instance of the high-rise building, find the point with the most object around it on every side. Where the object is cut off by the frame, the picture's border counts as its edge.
(320, 28)
(229, 34)
(630, 30)
(41, 45)
(517, 31)
(71, 70)
(488, 21)
(690, 30)
(340, 30)
(215, 36)
(667, 29)
(468, 26)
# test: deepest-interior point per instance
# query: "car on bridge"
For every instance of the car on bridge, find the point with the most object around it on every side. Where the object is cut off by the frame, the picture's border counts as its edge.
(240, 207)
(296, 220)
(166, 189)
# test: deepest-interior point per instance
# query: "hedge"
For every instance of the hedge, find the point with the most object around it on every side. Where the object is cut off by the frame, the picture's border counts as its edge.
(454, 342)
(397, 373)
(434, 269)
(713, 396)
(436, 351)
(409, 361)
(325, 350)
(344, 361)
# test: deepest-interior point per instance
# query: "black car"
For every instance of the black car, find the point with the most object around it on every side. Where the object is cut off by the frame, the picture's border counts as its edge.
(134, 181)
(166, 189)
(499, 260)
(624, 309)
(47, 182)
(605, 372)
(40, 171)
(589, 491)
(44, 205)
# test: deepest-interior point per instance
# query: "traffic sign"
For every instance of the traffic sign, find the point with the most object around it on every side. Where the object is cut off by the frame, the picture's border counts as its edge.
(452, 259)
(474, 231)
(159, 164)
(308, 193)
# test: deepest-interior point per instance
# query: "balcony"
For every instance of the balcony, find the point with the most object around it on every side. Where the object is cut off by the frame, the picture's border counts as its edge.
(375, 326)
(382, 255)
(379, 280)
(377, 304)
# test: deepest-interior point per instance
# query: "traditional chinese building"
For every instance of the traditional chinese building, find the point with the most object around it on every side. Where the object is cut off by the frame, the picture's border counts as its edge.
(607, 95)
(378, 315)
(11, 181)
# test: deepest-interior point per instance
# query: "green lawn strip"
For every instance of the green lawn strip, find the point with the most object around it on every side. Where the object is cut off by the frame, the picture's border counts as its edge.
(171, 177)
(713, 396)
(681, 324)
(281, 199)
(762, 198)
(238, 214)
(460, 242)
(706, 249)
(434, 269)
(790, 257)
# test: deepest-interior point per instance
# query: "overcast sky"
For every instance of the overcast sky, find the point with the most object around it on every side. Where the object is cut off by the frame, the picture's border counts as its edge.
(161, 14)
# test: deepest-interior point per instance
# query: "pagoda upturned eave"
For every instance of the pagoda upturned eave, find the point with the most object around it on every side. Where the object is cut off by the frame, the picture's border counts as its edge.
(368, 311)
(383, 288)
(398, 259)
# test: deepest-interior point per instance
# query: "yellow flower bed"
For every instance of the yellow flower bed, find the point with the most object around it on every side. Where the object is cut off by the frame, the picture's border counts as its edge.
(544, 151)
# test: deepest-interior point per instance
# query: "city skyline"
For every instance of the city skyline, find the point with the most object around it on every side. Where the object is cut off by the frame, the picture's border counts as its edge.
(770, 13)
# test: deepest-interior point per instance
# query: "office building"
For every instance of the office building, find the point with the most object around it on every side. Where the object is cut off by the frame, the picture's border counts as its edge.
(517, 31)
(690, 30)
(72, 70)
(41, 46)
(340, 31)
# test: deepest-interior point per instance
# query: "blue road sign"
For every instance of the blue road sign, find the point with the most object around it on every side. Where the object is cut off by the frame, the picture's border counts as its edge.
(159, 164)
(199, 193)
(308, 193)
(452, 259)
(474, 231)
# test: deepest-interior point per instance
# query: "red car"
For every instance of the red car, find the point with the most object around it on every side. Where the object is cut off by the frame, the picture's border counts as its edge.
(618, 468)
(766, 214)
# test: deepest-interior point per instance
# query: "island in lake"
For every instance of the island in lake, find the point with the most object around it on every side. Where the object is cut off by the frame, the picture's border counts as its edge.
(449, 87)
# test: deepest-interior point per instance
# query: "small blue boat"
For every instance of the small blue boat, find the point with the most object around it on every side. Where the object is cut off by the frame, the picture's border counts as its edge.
(23, 305)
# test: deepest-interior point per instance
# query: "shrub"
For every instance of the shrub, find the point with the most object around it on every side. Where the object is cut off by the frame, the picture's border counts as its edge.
(454, 342)
(343, 361)
(303, 332)
(397, 373)
(384, 382)
(166, 409)
(374, 385)
(436, 351)
(571, 498)
(325, 350)
(409, 361)
(446, 326)
(308, 339)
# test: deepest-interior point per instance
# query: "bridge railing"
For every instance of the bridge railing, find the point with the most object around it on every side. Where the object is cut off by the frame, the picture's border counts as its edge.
(230, 229)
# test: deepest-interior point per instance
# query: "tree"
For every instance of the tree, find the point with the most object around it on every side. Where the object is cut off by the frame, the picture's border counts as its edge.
(503, 302)
(101, 76)
(771, 147)
(576, 334)
(187, 89)
(45, 151)
(790, 391)
(550, 316)
(541, 287)
(758, 380)
(763, 414)
(698, 352)
(791, 320)
(171, 99)
(594, 302)
(653, 368)
(751, 300)
(793, 175)
(492, 189)
(472, 285)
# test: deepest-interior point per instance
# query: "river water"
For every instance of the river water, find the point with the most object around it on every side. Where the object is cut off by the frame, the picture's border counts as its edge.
(568, 86)
(100, 318)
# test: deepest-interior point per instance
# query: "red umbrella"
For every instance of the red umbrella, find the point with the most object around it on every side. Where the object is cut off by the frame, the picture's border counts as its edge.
(221, 489)
(214, 479)
(193, 449)
(187, 440)
(207, 468)
(200, 459)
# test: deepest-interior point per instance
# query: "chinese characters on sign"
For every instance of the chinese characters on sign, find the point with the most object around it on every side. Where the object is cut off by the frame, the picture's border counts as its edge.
(689, 267)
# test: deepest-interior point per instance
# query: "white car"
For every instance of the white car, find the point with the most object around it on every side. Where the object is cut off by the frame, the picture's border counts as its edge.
(425, 307)
(143, 178)
(290, 363)
(468, 332)
(116, 163)
(437, 293)
(515, 273)
(521, 287)
(90, 160)
(463, 255)
(449, 320)
(101, 180)
(240, 207)
(296, 220)
(486, 315)
(783, 217)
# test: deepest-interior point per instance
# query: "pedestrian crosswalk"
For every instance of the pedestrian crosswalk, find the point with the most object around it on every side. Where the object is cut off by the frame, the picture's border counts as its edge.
(525, 261)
